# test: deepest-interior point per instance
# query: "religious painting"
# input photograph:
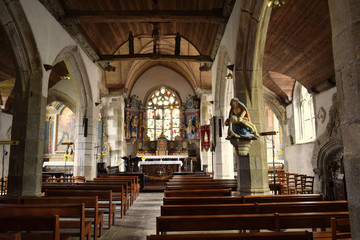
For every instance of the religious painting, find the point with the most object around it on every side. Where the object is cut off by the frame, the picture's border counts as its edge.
(190, 126)
(65, 129)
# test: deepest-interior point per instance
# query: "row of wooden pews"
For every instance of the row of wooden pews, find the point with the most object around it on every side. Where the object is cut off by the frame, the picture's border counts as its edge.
(192, 205)
(72, 209)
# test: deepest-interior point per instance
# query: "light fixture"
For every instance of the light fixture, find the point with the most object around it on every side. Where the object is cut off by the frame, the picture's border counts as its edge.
(229, 76)
(276, 3)
(66, 77)
(99, 103)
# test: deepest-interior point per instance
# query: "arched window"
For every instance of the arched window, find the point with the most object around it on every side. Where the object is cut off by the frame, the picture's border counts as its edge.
(163, 114)
(304, 115)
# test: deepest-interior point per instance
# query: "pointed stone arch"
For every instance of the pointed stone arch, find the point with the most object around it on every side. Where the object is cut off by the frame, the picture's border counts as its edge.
(25, 166)
(84, 109)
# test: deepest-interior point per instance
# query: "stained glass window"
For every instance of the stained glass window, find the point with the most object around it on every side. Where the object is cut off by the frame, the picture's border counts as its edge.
(163, 114)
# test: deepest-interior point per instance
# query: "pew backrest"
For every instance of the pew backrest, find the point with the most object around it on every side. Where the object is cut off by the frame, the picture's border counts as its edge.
(197, 192)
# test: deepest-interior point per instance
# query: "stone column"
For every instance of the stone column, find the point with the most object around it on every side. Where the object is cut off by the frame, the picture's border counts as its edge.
(205, 116)
(115, 131)
(345, 25)
(25, 165)
(224, 157)
(84, 164)
(254, 19)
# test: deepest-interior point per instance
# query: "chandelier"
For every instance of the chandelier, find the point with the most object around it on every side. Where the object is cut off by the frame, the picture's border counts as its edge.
(276, 3)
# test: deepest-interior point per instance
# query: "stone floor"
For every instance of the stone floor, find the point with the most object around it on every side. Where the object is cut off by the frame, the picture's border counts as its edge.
(140, 219)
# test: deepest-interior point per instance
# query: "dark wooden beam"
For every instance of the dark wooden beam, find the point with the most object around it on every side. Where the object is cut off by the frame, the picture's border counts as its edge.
(155, 57)
(215, 16)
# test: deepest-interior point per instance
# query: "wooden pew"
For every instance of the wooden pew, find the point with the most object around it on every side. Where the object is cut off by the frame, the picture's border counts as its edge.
(71, 214)
(227, 183)
(118, 192)
(197, 192)
(132, 186)
(121, 191)
(283, 198)
(195, 186)
(340, 228)
(104, 195)
(91, 205)
(254, 208)
(135, 180)
(305, 235)
(10, 236)
(194, 200)
(245, 222)
(132, 189)
(33, 227)
(202, 200)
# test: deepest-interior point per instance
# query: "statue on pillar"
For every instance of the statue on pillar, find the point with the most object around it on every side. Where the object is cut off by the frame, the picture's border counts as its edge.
(240, 125)
(241, 130)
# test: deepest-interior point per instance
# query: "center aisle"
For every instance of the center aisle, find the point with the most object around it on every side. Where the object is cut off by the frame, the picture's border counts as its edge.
(140, 219)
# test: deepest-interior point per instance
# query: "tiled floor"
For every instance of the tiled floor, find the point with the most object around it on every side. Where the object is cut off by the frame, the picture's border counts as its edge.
(139, 221)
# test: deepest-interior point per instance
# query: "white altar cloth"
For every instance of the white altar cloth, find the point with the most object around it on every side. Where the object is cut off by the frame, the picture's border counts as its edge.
(178, 157)
(159, 163)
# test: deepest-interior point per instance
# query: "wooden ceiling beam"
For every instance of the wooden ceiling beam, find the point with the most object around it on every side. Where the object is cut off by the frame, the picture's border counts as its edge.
(155, 57)
(214, 16)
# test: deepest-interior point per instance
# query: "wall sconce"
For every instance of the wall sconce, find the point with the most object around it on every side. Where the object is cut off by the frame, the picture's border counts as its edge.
(276, 3)
(229, 76)
(67, 77)
(99, 103)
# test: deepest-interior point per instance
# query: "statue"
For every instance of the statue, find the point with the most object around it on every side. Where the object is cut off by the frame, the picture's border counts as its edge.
(190, 129)
(240, 125)
(134, 126)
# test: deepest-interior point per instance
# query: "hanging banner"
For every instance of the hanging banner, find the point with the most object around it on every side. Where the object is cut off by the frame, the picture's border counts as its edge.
(205, 137)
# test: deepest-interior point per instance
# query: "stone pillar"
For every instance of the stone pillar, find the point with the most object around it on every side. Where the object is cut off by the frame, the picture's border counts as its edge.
(205, 118)
(84, 163)
(115, 130)
(25, 165)
(224, 157)
(254, 19)
(345, 25)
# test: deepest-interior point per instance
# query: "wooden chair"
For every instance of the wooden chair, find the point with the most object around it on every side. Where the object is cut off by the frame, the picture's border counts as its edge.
(340, 228)
(300, 183)
(283, 183)
(308, 186)
(291, 182)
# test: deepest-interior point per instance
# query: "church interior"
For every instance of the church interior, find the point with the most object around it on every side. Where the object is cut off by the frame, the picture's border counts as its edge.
(162, 94)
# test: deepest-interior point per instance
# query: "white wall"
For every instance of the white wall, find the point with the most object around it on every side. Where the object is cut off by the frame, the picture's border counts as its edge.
(51, 38)
(5, 135)
(168, 77)
(323, 100)
(299, 158)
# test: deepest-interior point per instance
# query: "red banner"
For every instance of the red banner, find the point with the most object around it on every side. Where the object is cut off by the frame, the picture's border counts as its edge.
(205, 137)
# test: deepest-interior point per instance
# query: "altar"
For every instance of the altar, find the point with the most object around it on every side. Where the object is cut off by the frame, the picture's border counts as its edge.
(161, 167)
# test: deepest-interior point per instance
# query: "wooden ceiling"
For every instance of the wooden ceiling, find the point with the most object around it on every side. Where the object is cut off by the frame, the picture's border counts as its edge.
(298, 46)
